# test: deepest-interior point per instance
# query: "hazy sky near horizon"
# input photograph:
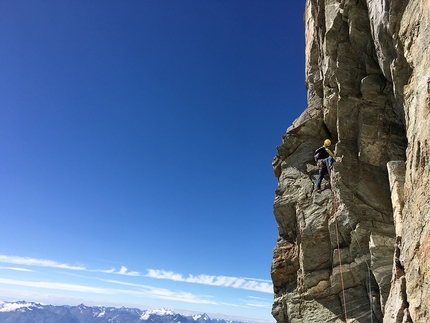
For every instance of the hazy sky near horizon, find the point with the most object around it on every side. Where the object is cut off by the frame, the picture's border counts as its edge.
(137, 140)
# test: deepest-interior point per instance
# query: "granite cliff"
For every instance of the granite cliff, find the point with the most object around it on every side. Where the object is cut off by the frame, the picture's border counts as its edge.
(358, 252)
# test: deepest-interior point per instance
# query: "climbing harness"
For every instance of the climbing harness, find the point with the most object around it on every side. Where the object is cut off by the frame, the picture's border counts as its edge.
(339, 255)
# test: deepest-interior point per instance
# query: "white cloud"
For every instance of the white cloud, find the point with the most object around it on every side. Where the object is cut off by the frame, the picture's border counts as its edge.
(263, 305)
(37, 262)
(260, 298)
(17, 269)
(124, 271)
(180, 296)
(253, 301)
(161, 293)
(106, 271)
(58, 286)
(162, 274)
(139, 291)
(258, 279)
(26, 261)
(258, 285)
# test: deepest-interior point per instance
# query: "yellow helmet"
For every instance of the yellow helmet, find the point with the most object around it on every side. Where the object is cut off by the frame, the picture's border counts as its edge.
(327, 143)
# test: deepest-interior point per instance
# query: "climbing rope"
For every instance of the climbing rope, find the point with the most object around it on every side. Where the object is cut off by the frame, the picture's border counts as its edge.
(368, 272)
(339, 255)
(338, 244)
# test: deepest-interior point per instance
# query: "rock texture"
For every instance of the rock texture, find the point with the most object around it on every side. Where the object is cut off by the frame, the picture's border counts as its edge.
(358, 252)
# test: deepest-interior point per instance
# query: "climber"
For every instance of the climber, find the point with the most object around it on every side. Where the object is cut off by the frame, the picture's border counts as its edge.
(324, 158)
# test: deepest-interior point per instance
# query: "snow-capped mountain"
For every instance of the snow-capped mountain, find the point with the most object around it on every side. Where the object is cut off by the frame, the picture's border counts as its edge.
(201, 318)
(29, 312)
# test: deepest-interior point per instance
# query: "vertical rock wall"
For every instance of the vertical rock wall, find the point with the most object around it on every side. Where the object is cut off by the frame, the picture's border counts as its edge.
(359, 250)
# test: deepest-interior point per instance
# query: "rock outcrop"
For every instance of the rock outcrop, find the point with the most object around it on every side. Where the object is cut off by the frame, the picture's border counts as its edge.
(359, 251)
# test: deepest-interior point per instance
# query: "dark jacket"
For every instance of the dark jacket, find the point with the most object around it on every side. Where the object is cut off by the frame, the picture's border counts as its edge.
(322, 153)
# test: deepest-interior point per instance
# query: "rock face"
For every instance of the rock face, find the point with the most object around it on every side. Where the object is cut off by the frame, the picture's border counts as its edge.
(359, 251)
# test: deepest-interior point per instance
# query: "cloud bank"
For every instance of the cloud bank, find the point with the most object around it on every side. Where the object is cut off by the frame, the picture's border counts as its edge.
(58, 286)
(252, 284)
(26, 261)
(258, 285)
(37, 262)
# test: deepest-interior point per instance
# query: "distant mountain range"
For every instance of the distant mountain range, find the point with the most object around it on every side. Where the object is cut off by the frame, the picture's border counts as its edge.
(29, 312)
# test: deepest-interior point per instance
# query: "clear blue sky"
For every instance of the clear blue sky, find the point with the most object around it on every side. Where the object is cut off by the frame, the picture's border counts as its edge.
(136, 143)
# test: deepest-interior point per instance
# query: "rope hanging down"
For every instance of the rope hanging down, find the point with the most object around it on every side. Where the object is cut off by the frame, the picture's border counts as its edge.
(338, 244)
(339, 254)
